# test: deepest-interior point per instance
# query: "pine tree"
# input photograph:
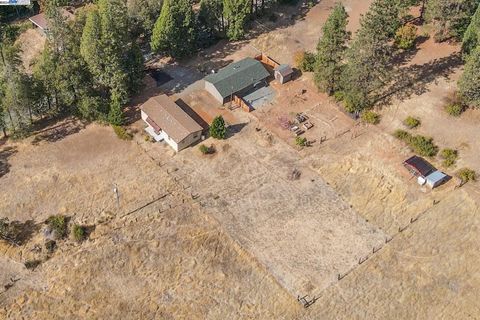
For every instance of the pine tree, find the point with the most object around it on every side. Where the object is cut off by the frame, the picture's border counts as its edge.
(471, 38)
(469, 83)
(115, 115)
(174, 32)
(217, 128)
(331, 50)
(236, 13)
(369, 58)
(209, 22)
(450, 17)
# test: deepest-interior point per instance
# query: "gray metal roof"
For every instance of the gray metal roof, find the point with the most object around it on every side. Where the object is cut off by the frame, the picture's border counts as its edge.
(284, 69)
(238, 76)
(436, 176)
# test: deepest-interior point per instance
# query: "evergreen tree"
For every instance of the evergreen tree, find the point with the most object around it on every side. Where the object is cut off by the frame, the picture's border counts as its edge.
(331, 50)
(217, 128)
(236, 13)
(369, 58)
(450, 17)
(471, 38)
(3, 125)
(115, 115)
(174, 32)
(209, 22)
(469, 83)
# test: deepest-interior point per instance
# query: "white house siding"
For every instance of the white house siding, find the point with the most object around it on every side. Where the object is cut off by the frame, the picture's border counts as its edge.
(213, 91)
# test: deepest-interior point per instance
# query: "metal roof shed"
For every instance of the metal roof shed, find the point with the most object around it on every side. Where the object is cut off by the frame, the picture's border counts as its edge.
(418, 166)
(235, 78)
(435, 179)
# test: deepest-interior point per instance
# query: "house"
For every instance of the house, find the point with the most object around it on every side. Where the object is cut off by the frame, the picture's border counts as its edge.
(236, 79)
(166, 121)
(40, 20)
(283, 73)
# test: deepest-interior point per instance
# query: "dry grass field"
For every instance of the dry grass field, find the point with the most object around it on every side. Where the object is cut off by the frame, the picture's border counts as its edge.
(230, 235)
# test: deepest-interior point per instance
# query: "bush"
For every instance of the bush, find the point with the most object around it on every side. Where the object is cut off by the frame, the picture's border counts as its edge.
(50, 245)
(32, 264)
(339, 96)
(300, 141)
(304, 61)
(402, 135)
(411, 122)
(449, 156)
(79, 233)
(466, 175)
(405, 37)
(206, 150)
(370, 117)
(10, 231)
(58, 224)
(455, 109)
(218, 129)
(422, 145)
(122, 133)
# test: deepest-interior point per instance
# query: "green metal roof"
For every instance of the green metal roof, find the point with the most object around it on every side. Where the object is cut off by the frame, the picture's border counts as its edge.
(238, 76)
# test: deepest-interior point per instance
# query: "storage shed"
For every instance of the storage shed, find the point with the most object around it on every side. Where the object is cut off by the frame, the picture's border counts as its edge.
(435, 179)
(418, 166)
(283, 73)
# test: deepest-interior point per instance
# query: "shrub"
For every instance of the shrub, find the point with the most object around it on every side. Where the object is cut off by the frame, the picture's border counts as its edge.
(455, 109)
(402, 135)
(218, 129)
(304, 61)
(58, 224)
(10, 231)
(449, 156)
(420, 144)
(79, 233)
(466, 175)
(301, 141)
(122, 133)
(411, 122)
(32, 264)
(339, 96)
(405, 37)
(50, 245)
(370, 117)
(207, 150)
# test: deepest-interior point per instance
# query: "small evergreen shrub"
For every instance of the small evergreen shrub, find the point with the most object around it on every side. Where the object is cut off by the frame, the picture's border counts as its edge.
(411, 122)
(467, 175)
(206, 150)
(58, 224)
(79, 233)
(218, 130)
(449, 157)
(301, 141)
(122, 133)
(455, 109)
(405, 37)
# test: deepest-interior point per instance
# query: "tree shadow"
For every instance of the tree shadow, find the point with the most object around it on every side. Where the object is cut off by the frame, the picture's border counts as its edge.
(4, 155)
(20, 233)
(414, 79)
(59, 131)
(234, 129)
